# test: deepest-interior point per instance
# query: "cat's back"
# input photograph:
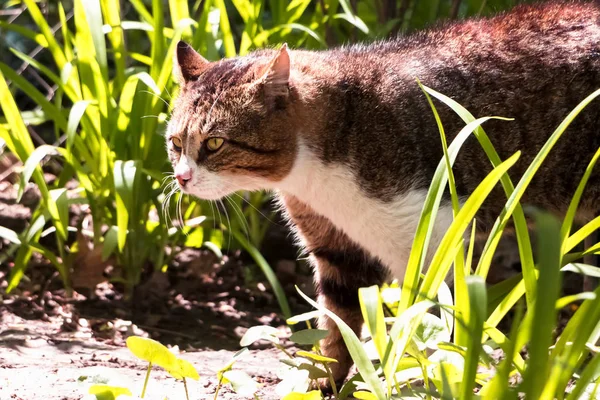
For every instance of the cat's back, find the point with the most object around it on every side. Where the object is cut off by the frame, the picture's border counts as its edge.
(526, 26)
(534, 63)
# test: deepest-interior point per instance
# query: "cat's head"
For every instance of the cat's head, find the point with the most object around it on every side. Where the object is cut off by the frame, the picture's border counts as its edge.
(232, 126)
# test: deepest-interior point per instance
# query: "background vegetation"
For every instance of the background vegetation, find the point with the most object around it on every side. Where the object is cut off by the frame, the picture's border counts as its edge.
(85, 90)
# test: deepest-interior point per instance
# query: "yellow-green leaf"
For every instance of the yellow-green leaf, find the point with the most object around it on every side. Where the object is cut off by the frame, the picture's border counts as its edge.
(313, 395)
(316, 357)
(152, 351)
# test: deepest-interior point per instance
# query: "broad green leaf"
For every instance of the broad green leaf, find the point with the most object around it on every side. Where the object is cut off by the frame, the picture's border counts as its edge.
(110, 242)
(106, 392)
(239, 354)
(152, 351)
(312, 395)
(293, 380)
(256, 333)
(363, 395)
(195, 239)
(183, 369)
(241, 382)
(314, 372)
(309, 336)
(430, 332)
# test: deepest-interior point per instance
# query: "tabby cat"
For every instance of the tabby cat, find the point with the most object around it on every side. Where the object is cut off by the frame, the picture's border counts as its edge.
(349, 143)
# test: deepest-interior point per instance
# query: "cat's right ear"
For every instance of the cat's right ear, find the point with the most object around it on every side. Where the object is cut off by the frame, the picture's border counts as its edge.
(187, 63)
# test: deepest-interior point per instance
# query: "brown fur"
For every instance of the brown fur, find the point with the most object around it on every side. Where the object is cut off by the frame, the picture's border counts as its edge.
(360, 107)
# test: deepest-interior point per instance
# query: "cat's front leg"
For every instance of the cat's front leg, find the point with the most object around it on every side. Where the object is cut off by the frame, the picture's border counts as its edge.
(341, 268)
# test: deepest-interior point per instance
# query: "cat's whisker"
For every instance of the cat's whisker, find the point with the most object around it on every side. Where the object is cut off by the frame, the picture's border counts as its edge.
(166, 89)
(160, 97)
(241, 216)
(228, 223)
(211, 108)
(173, 190)
(257, 210)
(179, 210)
(212, 209)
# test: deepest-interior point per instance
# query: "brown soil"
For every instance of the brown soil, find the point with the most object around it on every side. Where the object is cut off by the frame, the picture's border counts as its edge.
(54, 347)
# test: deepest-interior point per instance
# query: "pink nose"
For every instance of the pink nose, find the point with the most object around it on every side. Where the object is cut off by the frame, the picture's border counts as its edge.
(183, 176)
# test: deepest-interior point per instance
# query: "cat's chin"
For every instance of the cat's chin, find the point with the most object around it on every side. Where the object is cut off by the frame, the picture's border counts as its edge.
(205, 195)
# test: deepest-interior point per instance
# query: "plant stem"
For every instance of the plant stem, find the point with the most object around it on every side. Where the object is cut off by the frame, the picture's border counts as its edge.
(280, 347)
(146, 380)
(218, 387)
(187, 396)
(331, 380)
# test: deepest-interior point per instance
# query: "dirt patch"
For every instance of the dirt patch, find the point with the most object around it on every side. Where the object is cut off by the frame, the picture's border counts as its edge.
(54, 347)
(35, 365)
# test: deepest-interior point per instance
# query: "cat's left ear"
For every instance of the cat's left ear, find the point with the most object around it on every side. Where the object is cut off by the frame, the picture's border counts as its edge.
(187, 63)
(276, 76)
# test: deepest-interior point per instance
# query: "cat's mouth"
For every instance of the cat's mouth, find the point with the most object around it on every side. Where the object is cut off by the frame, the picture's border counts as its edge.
(206, 193)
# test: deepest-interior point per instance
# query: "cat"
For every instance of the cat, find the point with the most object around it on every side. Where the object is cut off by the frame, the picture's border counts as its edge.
(349, 143)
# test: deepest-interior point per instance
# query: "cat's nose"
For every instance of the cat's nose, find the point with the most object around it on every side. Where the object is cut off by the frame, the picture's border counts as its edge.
(183, 176)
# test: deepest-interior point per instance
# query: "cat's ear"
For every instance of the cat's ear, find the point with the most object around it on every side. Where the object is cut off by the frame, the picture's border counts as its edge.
(187, 63)
(276, 76)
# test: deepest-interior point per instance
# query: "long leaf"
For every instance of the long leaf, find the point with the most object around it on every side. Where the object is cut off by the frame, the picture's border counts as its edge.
(355, 348)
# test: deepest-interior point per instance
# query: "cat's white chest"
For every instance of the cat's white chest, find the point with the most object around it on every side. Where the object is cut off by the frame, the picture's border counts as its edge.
(385, 229)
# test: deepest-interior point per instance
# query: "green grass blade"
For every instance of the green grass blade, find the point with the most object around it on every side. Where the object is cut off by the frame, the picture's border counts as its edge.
(30, 90)
(513, 200)
(443, 257)
(39, 38)
(372, 311)
(590, 373)
(478, 303)
(267, 270)
(228, 42)
(46, 30)
(354, 346)
(179, 11)
(520, 223)
(93, 16)
(544, 313)
(570, 349)
(428, 215)
(111, 10)
(9, 235)
(570, 215)
(125, 173)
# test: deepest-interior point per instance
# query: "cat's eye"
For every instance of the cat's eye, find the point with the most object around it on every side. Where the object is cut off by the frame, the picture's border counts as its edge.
(214, 144)
(176, 143)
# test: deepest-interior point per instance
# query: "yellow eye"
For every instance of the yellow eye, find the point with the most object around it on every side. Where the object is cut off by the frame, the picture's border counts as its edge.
(214, 144)
(176, 143)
